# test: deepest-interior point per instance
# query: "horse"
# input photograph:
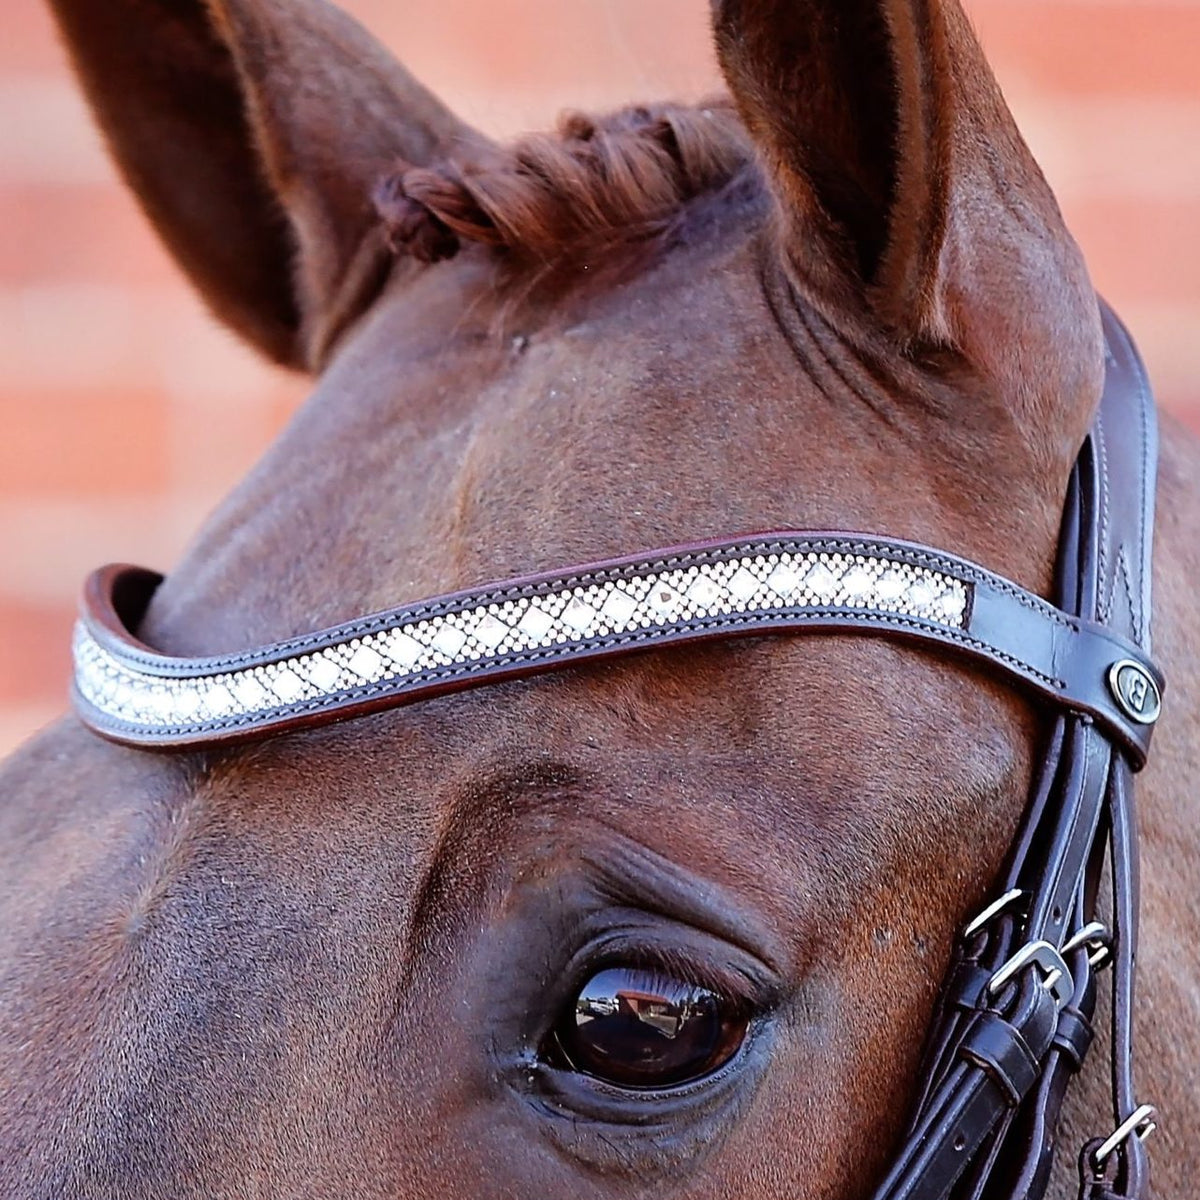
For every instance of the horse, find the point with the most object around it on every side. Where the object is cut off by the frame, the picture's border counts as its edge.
(336, 961)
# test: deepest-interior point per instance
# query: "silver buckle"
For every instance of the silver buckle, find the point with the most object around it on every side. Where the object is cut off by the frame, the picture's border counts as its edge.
(1098, 941)
(993, 910)
(1141, 1123)
(1056, 975)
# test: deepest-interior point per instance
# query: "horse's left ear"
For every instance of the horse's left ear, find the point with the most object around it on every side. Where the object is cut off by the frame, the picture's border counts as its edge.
(254, 133)
(909, 200)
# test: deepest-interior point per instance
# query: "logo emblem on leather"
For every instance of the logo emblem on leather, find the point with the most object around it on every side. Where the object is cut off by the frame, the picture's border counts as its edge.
(1135, 691)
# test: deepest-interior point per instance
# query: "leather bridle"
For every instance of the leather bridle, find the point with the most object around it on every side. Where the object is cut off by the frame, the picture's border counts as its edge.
(1014, 1020)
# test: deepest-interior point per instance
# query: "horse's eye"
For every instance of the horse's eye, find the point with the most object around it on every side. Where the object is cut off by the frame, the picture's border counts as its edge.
(641, 1029)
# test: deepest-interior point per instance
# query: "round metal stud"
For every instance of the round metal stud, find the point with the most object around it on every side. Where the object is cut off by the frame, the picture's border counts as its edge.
(1135, 691)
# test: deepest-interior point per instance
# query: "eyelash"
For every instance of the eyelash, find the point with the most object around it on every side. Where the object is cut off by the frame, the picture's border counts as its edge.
(672, 964)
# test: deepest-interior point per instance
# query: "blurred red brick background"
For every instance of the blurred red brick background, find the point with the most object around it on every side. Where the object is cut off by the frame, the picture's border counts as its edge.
(125, 413)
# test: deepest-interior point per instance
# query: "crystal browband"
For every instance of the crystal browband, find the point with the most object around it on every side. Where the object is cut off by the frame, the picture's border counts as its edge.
(778, 583)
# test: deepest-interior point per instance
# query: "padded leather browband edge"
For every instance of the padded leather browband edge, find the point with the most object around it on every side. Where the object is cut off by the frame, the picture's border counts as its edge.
(777, 583)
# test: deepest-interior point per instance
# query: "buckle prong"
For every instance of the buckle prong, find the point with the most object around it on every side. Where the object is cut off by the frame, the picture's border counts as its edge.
(1056, 975)
(1096, 938)
(993, 910)
(1141, 1123)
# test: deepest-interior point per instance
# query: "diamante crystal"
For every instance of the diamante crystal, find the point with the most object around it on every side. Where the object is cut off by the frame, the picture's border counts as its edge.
(449, 640)
(249, 692)
(580, 616)
(891, 586)
(783, 581)
(822, 582)
(403, 650)
(664, 600)
(619, 607)
(324, 672)
(187, 702)
(858, 583)
(491, 631)
(286, 684)
(922, 594)
(743, 585)
(220, 701)
(536, 624)
(704, 593)
(366, 664)
(953, 606)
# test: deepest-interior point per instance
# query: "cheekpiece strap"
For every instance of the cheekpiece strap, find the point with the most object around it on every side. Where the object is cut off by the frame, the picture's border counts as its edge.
(1043, 929)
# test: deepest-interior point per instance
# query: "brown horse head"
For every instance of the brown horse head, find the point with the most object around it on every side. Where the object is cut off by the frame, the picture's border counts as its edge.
(337, 963)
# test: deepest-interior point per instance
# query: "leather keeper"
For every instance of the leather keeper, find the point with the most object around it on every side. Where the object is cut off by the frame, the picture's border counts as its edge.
(967, 984)
(999, 1049)
(1074, 1036)
(1093, 1186)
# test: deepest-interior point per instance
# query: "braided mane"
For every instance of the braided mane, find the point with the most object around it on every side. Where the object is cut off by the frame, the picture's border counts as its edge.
(572, 197)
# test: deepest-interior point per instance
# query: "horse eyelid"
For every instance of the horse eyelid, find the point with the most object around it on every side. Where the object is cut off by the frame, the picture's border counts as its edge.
(739, 987)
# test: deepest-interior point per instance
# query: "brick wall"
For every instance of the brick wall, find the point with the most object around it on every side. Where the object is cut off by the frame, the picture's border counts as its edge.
(124, 413)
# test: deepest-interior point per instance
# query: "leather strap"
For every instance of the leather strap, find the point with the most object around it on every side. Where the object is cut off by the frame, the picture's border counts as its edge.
(780, 583)
(1083, 794)
(996, 1065)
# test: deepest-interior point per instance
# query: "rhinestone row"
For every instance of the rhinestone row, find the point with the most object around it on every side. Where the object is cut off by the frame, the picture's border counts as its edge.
(613, 608)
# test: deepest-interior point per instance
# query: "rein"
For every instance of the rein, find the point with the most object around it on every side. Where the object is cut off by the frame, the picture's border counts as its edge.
(1013, 1024)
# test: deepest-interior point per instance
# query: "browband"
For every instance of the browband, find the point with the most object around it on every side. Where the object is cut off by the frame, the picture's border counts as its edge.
(768, 584)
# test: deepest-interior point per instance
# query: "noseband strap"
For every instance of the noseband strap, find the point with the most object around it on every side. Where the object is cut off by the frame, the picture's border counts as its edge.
(1014, 1020)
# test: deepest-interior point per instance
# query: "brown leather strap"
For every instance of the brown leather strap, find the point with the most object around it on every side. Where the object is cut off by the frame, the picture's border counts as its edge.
(1083, 795)
(768, 584)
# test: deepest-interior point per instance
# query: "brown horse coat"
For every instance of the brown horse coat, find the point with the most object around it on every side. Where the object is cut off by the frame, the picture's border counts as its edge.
(323, 965)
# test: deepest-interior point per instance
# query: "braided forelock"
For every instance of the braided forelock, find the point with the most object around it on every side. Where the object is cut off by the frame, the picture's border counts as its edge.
(556, 199)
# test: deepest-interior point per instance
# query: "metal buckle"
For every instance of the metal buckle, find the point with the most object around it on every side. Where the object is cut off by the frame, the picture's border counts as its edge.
(1056, 975)
(1098, 941)
(1142, 1123)
(993, 910)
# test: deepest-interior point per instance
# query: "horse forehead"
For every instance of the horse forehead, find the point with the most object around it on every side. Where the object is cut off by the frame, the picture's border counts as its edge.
(443, 450)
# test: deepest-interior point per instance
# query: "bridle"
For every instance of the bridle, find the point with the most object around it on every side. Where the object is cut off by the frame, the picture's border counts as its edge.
(1014, 1020)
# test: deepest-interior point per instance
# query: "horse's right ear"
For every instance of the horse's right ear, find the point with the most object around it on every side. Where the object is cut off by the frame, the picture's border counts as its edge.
(906, 192)
(253, 132)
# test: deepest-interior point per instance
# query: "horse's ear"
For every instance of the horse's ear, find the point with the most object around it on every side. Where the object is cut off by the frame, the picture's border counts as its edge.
(253, 132)
(906, 192)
